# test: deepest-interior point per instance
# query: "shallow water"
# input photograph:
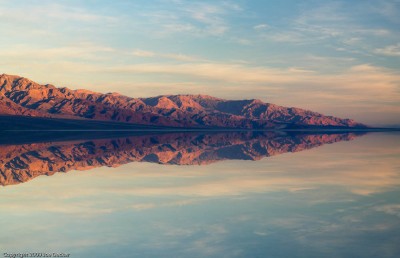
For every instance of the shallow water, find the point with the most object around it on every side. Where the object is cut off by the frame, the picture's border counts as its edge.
(213, 195)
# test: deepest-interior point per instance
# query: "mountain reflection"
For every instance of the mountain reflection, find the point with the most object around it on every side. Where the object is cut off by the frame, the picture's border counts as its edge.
(23, 162)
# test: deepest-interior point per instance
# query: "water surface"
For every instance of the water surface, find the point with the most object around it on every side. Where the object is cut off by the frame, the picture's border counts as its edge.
(204, 195)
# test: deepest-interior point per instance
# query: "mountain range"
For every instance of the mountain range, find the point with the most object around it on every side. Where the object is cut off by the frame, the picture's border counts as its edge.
(22, 97)
(23, 162)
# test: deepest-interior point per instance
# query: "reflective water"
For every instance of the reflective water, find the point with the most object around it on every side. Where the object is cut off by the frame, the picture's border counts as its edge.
(204, 195)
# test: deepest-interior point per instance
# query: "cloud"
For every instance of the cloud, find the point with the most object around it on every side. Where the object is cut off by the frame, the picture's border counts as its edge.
(143, 53)
(199, 19)
(218, 71)
(243, 41)
(83, 50)
(289, 37)
(392, 209)
(392, 50)
(313, 25)
(174, 56)
(336, 27)
(262, 26)
(365, 78)
(387, 9)
(211, 15)
(180, 57)
(54, 12)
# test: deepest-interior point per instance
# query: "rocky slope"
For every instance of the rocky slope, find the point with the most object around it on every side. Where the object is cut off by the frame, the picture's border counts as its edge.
(21, 96)
(21, 163)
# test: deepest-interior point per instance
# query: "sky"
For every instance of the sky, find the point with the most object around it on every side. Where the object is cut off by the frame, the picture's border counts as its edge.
(339, 58)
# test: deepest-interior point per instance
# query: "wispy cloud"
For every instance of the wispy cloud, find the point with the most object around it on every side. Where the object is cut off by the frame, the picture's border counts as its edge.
(312, 25)
(364, 76)
(174, 56)
(392, 50)
(262, 26)
(143, 53)
(218, 71)
(388, 9)
(195, 18)
(334, 25)
(83, 50)
(54, 11)
(181, 57)
(392, 209)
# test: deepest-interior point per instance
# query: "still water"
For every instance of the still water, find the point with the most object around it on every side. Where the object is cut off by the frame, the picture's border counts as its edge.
(204, 195)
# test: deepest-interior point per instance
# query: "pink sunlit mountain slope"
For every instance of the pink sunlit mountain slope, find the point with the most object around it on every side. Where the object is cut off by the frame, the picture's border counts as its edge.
(23, 97)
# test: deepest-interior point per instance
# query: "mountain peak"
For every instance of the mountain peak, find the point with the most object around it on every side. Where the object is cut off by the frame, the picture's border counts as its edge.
(14, 81)
(8, 79)
(4, 75)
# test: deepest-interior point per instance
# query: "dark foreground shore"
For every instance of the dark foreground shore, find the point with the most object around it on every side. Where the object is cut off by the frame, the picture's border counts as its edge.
(24, 129)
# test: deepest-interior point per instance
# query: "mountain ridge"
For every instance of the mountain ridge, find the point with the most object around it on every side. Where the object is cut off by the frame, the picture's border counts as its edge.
(24, 97)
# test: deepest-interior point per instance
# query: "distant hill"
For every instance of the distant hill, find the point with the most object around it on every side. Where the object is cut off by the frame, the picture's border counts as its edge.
(22, 97)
